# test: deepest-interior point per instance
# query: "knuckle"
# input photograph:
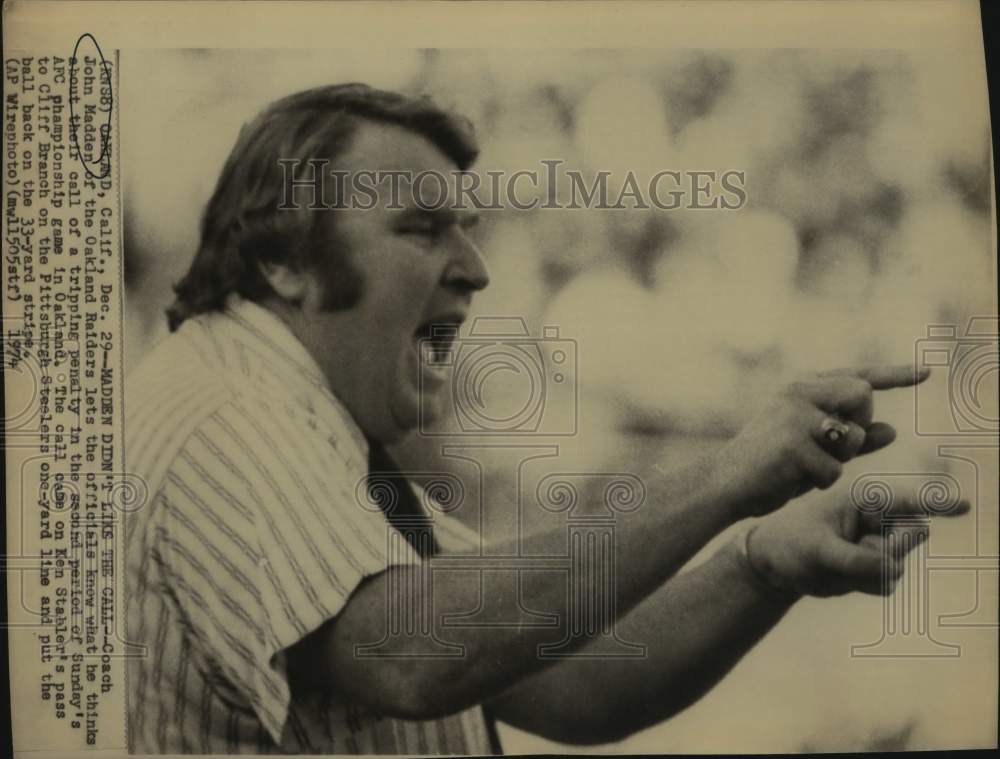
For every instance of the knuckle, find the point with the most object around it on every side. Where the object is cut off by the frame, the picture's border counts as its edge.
(861, 388)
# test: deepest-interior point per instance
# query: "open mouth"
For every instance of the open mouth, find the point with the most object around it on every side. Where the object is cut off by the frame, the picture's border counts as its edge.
(434, 340)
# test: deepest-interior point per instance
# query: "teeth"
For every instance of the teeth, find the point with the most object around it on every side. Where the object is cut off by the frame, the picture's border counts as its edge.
(427, 353)
(434, 341)
(432, 355)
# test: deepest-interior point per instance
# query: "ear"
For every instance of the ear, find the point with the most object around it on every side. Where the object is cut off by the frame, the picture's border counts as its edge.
(289, 284)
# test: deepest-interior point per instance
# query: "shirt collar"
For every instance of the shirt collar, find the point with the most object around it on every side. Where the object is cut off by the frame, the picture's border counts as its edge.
(253, 327)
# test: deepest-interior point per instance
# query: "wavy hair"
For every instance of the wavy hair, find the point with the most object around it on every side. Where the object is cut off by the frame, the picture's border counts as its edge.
(242, 226)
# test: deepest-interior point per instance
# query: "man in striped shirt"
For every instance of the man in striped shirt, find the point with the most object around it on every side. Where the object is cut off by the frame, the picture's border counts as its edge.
(262, 566)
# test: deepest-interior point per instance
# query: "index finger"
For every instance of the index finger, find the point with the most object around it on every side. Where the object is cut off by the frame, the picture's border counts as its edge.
(886, 377)
(907, 505)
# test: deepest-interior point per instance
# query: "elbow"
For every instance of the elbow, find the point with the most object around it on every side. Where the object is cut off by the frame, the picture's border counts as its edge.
(582, 732)
(577, 725)
(574, 724)
(584, 736)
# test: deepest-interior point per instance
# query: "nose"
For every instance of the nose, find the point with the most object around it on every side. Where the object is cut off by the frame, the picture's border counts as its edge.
(466, 269)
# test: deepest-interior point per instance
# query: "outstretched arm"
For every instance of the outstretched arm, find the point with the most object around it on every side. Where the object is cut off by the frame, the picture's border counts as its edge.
(781, 454)
(695, 628)
(700, 624)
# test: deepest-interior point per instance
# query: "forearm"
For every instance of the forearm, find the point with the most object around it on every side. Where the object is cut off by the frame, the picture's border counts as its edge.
(684, 510)
(782, 453)
(696, 627)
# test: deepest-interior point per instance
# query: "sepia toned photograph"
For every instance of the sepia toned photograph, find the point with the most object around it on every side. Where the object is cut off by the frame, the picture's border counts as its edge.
(687, 290)
(458, 394)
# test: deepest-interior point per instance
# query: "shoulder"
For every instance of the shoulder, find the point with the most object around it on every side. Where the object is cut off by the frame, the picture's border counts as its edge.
(285, 447)
(168, 396)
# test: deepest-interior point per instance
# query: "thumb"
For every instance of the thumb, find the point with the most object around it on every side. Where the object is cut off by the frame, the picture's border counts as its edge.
(877, 436)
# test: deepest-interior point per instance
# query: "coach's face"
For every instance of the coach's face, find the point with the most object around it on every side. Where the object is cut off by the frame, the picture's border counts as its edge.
(419, 269)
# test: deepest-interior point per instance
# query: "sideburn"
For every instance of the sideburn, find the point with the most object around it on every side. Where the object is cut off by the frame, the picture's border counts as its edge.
(343, 282)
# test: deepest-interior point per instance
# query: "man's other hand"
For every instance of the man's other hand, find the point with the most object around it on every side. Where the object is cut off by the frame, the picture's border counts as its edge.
(833, 548)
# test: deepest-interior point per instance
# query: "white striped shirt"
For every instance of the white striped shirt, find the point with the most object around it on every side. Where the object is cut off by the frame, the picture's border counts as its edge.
(253, 537)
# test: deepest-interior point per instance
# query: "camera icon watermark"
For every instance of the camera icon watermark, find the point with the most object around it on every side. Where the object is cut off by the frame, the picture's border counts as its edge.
(907, 629)
(944, 587)
(966, 402)
(503, 379)
(586, 626)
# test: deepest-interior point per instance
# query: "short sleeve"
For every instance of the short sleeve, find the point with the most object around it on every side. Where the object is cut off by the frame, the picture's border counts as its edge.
(267, 535)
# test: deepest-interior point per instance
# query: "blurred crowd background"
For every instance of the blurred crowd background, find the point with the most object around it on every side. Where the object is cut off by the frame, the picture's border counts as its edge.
(868, 219)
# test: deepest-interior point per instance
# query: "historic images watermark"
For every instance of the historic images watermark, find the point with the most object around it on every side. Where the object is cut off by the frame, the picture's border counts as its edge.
(589, 622)
(540, 372)
(969, 358)
(899, 505)
(314, 186)
(960, 412)
(533, 367)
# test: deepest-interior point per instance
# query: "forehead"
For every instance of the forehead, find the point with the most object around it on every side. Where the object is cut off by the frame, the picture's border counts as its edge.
(386, 149)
